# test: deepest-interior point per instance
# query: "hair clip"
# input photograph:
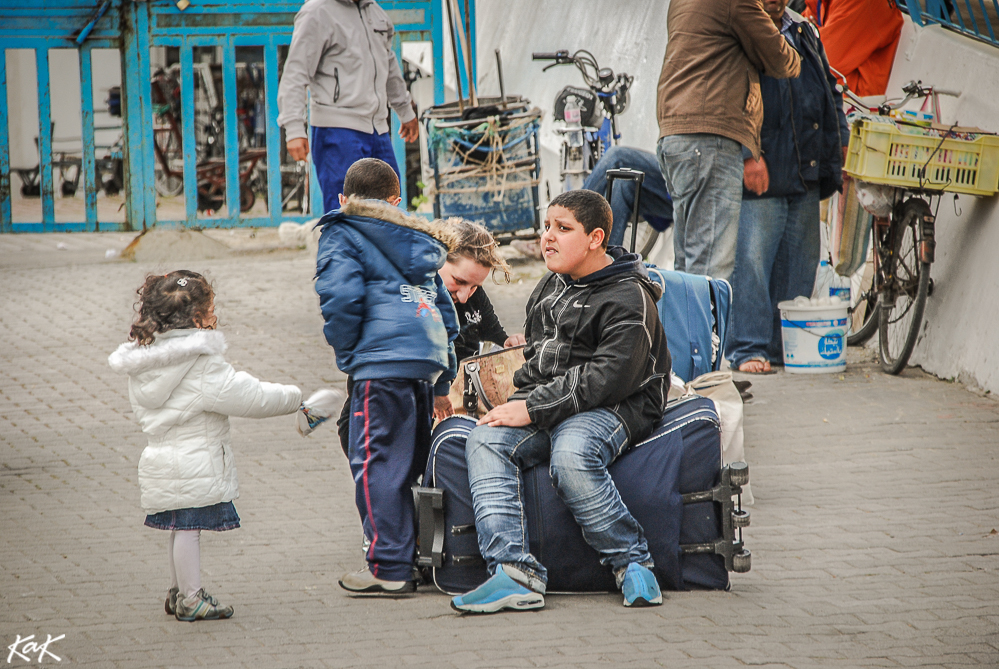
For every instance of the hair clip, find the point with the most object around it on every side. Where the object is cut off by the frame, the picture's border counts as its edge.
(182, 282)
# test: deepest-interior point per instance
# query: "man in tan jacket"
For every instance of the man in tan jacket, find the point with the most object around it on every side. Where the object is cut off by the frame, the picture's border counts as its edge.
(709, 108)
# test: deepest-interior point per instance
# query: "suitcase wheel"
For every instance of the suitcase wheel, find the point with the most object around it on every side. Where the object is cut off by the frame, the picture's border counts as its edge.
(740, 518)
(739, 472)
(742, 561)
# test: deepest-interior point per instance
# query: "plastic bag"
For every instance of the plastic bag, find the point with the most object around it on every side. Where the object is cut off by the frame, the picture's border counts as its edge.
(876, 199)
(849, 230)
(720, 389)
(319, 408)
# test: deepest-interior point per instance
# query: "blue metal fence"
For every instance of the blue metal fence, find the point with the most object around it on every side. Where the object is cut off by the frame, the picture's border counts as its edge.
(975, 18)
(136, 26)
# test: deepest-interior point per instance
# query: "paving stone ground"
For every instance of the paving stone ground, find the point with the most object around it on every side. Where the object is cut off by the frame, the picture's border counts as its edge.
(874, 531)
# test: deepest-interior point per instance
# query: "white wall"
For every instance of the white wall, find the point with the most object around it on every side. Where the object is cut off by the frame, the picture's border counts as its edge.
(960, 339)
(624, 35)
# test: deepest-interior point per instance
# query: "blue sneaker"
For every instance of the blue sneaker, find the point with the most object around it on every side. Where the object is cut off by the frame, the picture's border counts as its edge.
(640, 587)
(498, 593)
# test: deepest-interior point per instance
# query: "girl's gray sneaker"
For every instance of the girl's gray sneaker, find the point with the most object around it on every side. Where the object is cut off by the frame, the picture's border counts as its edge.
(170, 605)
(201, 607)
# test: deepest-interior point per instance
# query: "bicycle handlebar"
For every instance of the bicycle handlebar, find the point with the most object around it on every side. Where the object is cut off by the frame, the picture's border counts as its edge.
(557, 55)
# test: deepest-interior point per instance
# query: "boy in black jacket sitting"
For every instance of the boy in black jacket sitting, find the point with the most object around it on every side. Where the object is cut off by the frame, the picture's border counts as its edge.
(595, 381)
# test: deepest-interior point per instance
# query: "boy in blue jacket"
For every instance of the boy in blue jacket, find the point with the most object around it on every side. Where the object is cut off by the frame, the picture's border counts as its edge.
(392, 324)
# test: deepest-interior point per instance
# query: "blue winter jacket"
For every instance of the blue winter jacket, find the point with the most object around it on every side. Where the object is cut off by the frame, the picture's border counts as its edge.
(804, 128)
(387, 313)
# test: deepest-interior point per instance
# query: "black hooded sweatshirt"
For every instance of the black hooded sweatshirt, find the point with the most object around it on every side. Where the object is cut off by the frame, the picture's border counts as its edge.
(596, 342)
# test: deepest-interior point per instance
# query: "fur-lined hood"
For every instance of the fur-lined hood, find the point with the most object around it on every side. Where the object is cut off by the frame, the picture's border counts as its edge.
(384, 211)
(384, 234)
(157, 369)
(169, 348)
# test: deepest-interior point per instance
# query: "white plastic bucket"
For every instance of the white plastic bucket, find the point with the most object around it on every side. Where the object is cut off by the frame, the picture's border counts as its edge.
(814, 337)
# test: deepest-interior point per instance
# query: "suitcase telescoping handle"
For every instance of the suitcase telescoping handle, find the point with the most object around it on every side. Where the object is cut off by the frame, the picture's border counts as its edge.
(631, 175)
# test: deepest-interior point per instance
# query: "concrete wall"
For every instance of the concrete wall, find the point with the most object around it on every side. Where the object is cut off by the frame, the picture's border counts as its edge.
(960, 339)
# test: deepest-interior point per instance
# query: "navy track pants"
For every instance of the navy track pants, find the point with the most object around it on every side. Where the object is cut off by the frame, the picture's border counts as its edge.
(390, 424)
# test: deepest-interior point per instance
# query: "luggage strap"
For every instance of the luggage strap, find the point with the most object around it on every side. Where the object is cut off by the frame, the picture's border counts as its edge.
(431, 510)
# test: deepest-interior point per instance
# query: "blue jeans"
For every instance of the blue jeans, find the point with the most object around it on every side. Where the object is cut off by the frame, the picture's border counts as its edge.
(334, 150)
(777, 255)
(655, 205)
(704, 175)
(580, 448)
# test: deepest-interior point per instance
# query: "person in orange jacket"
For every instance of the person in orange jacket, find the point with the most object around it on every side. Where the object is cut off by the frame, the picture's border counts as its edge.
(860, 37)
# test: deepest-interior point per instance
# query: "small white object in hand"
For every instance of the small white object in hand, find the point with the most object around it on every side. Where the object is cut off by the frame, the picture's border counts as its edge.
(316, 410)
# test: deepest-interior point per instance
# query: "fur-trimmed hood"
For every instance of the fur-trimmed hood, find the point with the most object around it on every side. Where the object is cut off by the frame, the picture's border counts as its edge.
(415, 247)
(156, 370)
(169, 348)
(384, 211)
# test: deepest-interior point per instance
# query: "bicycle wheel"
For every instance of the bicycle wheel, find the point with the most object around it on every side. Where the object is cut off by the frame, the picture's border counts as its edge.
(169, 174)
(906, 282)
(864, 308)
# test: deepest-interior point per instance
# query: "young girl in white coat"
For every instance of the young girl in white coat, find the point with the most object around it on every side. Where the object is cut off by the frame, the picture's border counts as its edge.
(182, 392)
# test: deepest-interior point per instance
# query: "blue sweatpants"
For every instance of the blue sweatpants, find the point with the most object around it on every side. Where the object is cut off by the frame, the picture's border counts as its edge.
(390, 423)
(334, 150)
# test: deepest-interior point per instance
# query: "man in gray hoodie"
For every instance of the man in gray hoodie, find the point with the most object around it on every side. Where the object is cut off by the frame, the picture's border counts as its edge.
(341, 50)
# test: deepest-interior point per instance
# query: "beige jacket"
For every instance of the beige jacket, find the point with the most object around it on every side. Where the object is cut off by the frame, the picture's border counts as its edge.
(710, 79)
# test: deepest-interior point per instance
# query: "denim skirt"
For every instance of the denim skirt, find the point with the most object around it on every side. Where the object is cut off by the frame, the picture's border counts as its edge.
(217, 518)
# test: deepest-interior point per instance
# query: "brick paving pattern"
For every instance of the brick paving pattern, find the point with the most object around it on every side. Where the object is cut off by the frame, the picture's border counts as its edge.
(873, 535)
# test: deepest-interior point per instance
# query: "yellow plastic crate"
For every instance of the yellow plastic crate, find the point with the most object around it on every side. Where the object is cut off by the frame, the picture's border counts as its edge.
(881, 153)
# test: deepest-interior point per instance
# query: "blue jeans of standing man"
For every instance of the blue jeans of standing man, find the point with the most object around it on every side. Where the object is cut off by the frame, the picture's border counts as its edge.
(777, 254)
(580, 448)
(334, 150)
(704, 176)
(655, 205)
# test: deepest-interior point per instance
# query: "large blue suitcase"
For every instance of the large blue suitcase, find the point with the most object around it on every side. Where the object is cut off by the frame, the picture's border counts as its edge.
(672, 482)
(692, 309)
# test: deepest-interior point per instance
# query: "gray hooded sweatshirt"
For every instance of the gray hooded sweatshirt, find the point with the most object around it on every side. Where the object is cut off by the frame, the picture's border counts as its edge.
(342, 51)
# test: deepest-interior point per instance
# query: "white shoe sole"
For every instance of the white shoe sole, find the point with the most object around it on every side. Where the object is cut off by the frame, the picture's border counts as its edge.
(641, 601)
(520, 602)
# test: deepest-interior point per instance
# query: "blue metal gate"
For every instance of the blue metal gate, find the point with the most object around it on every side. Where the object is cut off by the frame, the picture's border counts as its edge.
(135, 27)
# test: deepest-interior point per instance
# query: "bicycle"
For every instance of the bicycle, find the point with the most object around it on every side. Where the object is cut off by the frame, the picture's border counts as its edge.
(902, 247)
(589, 125)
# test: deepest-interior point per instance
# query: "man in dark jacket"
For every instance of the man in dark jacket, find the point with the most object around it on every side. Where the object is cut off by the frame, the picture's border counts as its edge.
(804, 135)
(708, 108)
(594, 381)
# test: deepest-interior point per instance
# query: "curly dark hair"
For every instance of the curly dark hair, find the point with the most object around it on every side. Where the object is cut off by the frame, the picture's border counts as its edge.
(174, 301)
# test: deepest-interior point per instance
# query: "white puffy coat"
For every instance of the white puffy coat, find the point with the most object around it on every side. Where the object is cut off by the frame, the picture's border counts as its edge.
(182, 392)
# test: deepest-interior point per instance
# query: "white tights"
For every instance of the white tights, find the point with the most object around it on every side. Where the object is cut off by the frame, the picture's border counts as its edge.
(184, 549)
